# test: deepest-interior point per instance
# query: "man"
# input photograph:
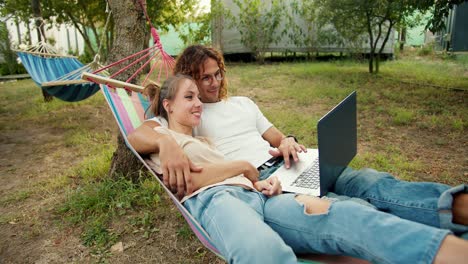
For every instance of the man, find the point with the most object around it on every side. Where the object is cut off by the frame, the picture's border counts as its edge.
(241, 132)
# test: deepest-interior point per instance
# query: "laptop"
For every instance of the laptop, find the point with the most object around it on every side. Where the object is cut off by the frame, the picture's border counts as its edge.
(317, 170)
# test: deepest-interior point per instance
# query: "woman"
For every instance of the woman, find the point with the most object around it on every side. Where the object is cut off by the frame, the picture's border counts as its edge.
(250, 221)
(183, 115)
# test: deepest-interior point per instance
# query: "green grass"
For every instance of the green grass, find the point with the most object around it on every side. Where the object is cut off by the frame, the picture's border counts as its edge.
(420, 99)
(412, 106)
(94, 205)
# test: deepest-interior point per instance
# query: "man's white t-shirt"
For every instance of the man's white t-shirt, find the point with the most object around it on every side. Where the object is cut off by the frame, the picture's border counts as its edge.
(235, 126)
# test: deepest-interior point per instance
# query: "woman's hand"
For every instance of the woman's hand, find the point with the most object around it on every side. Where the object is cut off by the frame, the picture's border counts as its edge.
(269, 187)
(176, 168)
(250, 172)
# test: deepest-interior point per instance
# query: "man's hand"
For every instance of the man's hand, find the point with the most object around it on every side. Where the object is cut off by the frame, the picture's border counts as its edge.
(288, 147)
(269, 187)
(176, 168)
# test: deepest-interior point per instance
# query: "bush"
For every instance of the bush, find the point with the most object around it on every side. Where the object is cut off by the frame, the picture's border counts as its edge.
(426, 50)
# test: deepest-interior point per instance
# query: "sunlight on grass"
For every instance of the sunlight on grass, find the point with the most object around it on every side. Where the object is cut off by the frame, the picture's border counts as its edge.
(15, 197)
(291, 122)
(418, 99)
(395, 163)
(95, 204)
(427, 72)
(402, 116)
(95, 167)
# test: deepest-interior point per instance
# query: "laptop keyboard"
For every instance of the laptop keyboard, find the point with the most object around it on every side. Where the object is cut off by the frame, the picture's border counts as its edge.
(309, 178)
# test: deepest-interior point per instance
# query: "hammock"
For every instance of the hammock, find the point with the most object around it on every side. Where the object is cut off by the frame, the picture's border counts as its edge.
(129, 112)
(58, 75)
(128, 106)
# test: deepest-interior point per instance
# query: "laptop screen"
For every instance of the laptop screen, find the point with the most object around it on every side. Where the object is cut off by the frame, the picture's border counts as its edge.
(337, 141)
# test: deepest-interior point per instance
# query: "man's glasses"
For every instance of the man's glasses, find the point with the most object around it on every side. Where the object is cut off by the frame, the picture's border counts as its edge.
(208, 79)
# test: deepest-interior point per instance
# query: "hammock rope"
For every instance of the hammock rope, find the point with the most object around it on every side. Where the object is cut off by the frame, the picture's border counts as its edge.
(60, 75)
(160, 59)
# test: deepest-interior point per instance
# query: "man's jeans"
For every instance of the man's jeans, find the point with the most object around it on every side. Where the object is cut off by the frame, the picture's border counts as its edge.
(248, 227)
(422, 202)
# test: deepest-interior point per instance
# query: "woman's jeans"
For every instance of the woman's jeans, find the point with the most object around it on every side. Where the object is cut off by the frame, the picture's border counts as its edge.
(248, 227)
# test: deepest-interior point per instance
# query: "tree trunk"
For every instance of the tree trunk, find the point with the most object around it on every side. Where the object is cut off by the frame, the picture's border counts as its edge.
(36, 8)
(402, 38)
(377, 61)
(129, 30)
(124, 163)
(371, 62)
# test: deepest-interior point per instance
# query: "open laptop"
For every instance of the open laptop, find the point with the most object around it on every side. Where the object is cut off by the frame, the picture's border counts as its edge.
(317, 170)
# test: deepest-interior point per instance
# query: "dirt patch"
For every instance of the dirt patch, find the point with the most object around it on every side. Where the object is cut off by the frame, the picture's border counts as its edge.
(35, 154)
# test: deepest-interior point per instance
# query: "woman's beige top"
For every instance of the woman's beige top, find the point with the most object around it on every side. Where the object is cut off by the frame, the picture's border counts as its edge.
(199, 150)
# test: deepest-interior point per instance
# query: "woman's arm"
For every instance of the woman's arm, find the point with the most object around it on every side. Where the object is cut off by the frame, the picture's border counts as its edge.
(175, 165)
(218, 172)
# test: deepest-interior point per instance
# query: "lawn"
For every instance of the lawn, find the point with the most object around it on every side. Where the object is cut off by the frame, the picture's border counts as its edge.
(58, 205)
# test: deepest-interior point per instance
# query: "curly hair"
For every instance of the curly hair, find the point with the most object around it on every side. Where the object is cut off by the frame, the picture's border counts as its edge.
(191, 62)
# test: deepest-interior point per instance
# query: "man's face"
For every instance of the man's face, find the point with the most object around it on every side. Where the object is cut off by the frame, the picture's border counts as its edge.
(209, 81)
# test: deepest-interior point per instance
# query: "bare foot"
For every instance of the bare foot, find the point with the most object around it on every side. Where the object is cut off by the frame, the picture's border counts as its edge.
(453, 250)
(460, 209)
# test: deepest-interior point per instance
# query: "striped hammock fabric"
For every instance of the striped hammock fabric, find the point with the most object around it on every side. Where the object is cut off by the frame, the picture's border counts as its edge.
(129, 111)
(48, 69)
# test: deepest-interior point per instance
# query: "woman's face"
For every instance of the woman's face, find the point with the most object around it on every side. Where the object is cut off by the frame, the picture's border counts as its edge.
(186, 108)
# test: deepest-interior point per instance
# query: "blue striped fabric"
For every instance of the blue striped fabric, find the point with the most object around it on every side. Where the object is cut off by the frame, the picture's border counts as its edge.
(44, 69)
(124, 107)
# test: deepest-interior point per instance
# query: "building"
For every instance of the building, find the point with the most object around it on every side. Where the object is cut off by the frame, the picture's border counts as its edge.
(228, 39)
(455, 36)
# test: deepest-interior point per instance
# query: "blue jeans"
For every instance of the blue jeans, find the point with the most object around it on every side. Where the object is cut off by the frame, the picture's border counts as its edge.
(248, 227)
(422, 202)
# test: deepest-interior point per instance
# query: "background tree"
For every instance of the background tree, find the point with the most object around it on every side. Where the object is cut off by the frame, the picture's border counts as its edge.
(257, 22)
(10, 65)
(354, 19)
(128, 34)
(295, 32)
(131, 32)
(89, 18)
(376, 19)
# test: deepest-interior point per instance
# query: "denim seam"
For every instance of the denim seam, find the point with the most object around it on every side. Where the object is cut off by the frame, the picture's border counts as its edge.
(433, 247)
(332, 238)
(372, 198)
(327, 237)
(216, 229)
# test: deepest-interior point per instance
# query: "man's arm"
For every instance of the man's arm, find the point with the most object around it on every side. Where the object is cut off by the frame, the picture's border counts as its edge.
(175, 165)
(287, 146)
(144, 139)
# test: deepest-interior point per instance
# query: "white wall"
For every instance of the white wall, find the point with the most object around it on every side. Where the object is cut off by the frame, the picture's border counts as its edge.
(63, 44)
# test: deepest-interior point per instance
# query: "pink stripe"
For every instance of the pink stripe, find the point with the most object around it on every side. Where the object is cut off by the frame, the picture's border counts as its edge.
(121, 111)
(197, 232)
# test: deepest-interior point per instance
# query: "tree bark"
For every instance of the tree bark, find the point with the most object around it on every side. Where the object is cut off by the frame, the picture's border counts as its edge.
(402, 38)
(129, 29)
